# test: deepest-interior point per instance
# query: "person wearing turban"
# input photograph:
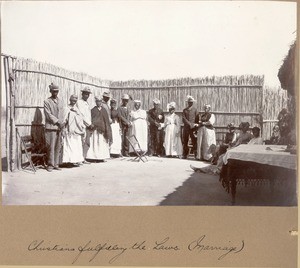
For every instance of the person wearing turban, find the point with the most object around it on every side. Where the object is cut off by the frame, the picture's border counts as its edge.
(156, 118)
(172, 125)
(72, 135)
(54, 123)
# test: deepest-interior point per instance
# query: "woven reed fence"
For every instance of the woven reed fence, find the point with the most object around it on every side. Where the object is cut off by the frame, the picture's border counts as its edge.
(232, 98)
(273, 102)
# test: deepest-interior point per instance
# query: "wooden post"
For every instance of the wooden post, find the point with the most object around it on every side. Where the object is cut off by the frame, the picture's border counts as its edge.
(7, 107)
(12, 141)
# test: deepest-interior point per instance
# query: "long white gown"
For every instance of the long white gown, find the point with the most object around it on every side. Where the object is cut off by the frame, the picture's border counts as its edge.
(172, 142)
(72, 140)
(139, 129)
(117, 139)
(99, 148)
(205, 138)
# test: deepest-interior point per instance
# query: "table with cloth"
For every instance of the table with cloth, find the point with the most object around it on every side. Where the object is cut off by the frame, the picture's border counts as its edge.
(256, 165)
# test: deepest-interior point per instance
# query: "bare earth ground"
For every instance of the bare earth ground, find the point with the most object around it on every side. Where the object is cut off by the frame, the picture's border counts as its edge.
(121, 182)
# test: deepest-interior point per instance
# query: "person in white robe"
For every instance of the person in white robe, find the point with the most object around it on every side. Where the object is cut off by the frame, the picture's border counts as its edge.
(206, 135)
(172, 126)
(138, 118)
(116, 147)
(72, 134)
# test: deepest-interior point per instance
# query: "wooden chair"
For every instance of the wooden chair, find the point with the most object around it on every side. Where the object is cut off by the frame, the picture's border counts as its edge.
(35, 156)
(140, 154)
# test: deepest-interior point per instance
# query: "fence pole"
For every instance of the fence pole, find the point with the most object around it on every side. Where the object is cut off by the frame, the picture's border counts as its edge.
(7, 107)
(13, 138)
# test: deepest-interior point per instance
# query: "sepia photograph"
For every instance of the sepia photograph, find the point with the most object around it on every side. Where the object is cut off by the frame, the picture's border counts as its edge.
(152, 103)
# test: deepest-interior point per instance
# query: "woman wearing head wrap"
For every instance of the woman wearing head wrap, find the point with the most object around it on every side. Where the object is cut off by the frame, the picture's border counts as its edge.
(206, 135)
(138, 118)
(72, 134)
(172, 124)
(101, 137)
(116, 146)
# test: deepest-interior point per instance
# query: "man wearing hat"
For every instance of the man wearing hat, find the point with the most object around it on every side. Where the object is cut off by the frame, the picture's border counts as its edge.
(105, 105)
(85, 111)
(189, 120)
(54, 118)
(125, 123)
(156, 118)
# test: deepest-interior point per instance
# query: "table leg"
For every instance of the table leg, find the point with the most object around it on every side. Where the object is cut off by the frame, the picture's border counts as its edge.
(232, 183)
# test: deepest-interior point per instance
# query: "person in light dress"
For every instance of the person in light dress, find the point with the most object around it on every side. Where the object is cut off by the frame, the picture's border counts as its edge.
(172, 126)
(139, 128)
(73, 131)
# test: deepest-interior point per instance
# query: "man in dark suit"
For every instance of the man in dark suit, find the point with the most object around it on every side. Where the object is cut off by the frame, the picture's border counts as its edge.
(155, 118)
(189, 120)
(125, 124)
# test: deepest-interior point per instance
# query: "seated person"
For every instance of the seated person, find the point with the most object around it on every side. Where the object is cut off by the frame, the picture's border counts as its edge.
(244, 136)
(230, 137)
(256, 139)
(275, 137)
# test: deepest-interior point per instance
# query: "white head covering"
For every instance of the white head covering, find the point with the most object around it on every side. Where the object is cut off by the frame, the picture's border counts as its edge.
(171, 105)
(190, 99)
(156, 101)
(137, 101)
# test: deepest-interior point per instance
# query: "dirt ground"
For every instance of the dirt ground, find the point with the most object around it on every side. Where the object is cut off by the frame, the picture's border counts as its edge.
(122, 182)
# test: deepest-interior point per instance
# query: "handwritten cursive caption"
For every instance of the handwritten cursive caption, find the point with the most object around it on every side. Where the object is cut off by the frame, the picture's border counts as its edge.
(91, 250)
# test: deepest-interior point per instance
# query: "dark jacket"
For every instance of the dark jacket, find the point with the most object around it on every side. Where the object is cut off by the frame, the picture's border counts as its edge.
(115, 116)
(124, 113)
(153, 117)
(100, 120)
(189, 117)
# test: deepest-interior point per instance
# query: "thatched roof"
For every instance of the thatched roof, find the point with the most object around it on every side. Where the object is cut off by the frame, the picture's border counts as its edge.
(286, 72)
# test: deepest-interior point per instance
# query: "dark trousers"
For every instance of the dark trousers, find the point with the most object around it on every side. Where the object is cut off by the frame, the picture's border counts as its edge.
(125, 143)
(157, 140)
(54, 145)
(187, 133)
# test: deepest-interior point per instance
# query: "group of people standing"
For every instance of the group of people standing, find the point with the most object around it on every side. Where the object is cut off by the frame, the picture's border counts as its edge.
(76, 133)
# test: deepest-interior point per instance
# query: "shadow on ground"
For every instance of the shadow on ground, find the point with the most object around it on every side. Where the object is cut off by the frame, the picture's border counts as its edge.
(206, 190)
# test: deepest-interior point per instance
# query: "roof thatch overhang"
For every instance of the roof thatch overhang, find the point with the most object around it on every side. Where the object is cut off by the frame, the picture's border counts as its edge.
(286, 73)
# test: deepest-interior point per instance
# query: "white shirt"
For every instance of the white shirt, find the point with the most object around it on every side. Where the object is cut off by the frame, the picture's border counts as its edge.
(85, 111)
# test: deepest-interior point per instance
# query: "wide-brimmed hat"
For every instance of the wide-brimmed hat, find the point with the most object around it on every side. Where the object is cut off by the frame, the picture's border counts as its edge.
(53, 87)
(86, 90)
(190, 99)
(125, 97)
